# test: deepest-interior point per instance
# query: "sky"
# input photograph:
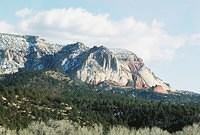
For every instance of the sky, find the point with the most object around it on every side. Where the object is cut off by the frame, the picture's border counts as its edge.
(165, 33)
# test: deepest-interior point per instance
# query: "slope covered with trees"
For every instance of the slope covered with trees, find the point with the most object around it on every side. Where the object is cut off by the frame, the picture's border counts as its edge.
(44, 95)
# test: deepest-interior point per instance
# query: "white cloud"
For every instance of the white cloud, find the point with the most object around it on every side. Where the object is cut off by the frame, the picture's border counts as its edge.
(5, 27)
(194, 39)
(148, 40)
(24, 12)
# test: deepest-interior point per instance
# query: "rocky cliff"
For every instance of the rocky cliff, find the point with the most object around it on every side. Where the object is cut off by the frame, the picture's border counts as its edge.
(92, 65)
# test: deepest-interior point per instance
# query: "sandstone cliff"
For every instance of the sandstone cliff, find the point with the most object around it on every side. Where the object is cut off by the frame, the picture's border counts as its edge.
(91, 65)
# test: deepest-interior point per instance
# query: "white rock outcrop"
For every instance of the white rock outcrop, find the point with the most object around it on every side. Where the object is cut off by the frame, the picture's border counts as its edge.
(92, 65)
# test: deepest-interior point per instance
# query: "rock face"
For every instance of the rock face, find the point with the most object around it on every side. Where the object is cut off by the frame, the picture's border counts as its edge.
(160, 89)
(23, 52)
(92, 65)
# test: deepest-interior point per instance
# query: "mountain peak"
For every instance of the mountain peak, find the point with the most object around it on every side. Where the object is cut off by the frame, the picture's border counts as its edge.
(92, 65)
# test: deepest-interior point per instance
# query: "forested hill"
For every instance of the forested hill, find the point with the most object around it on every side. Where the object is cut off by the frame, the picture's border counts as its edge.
(44, 95)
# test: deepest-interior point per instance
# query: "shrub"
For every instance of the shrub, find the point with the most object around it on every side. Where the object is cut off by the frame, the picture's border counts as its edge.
(66, 127)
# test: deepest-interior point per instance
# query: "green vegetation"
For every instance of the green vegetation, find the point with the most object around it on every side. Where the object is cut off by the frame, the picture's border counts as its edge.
(26, 97)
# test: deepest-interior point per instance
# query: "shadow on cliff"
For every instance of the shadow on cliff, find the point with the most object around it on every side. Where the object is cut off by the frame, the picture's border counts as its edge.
(36, 60)
(68, 59)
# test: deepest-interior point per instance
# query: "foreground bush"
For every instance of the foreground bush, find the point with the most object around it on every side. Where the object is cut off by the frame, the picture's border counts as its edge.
(66, 127)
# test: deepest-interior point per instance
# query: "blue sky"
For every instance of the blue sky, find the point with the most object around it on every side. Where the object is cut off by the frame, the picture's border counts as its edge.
(180, 15)
(176, 21)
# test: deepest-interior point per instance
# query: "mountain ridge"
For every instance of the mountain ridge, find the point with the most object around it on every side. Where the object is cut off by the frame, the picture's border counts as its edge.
(91, 65)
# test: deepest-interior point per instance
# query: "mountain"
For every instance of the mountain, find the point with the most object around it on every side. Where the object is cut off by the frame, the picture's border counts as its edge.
(95, 66)
(42, 82)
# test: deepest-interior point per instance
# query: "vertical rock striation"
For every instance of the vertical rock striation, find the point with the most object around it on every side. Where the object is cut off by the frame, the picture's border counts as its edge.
(94, 65)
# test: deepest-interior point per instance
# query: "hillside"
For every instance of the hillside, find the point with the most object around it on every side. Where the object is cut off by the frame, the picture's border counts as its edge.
(43, 95)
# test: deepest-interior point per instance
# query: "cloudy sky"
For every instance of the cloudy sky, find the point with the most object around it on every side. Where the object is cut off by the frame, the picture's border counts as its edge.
(165, 33)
